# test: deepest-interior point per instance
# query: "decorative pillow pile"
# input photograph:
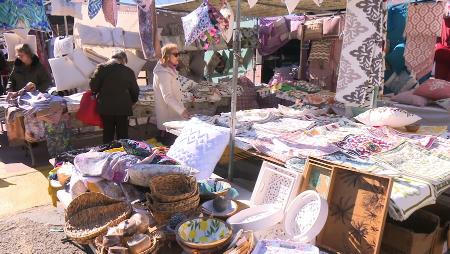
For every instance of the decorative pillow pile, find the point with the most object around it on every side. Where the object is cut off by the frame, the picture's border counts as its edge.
(410, 98)
(200, 146)
(387, 116)
(434, 89)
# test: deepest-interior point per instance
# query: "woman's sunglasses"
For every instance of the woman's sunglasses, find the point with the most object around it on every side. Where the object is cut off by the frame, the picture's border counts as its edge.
(176, 54)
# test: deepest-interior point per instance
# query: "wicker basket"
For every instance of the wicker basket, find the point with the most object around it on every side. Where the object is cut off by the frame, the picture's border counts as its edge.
(173, 206)
(161, 216)
(244, 248)
(90, 214)
(172, 187)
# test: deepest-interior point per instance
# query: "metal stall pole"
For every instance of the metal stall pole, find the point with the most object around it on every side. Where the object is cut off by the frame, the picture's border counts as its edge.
(237, 53)
(66, 26)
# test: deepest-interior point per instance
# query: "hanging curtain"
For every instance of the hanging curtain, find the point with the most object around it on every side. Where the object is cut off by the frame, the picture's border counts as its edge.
(30, 12)
(362, 64)
(148, 28)
(442, 55)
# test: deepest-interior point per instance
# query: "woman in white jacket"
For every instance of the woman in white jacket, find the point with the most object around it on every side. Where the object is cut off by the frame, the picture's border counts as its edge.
(167, 88)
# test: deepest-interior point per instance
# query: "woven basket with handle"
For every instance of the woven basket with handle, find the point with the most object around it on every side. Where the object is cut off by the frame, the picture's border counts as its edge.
(90, 214)
(172, 187)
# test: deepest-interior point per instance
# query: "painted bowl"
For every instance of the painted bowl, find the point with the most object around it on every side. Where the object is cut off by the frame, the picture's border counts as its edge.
(210, 188)
(204, 233)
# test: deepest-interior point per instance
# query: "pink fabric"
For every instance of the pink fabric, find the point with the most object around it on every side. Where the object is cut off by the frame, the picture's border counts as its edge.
(110, 11)
(434, 89)
(410, 98)
(422, 28)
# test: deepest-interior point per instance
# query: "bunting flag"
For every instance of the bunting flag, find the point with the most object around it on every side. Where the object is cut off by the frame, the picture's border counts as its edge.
(291, 5)
(228, 13)
(252, 3)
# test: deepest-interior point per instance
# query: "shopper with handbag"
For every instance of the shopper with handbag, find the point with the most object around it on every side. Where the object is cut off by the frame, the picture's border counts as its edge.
(116, 89)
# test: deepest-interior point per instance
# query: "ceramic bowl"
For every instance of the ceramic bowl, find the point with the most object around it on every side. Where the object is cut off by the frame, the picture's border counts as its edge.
(210, 188)
(204, 233)
(256, 218)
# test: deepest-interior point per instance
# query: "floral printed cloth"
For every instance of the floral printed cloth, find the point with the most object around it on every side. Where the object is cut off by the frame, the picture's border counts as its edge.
(387, 133)
(147, 27)
(30, 12)
(196, 23)
(362, 146)
(137, 148)
(58, 136)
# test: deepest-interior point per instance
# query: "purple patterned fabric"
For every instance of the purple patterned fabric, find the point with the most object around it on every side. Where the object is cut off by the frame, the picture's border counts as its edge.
(274, 32)
(147, 27)
(196, 23)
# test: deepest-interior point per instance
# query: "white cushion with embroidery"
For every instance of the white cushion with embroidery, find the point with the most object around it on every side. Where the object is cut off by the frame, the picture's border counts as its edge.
(200, 146)
(387, 116)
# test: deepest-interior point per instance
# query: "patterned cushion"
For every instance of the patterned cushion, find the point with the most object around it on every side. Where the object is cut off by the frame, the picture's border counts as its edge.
(434, 89)
(387, 116)
(200, 146)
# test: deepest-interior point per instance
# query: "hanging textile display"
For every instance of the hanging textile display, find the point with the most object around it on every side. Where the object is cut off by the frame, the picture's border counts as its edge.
(274, 32)
(196, 23)
(94, 7)
(147, 27)
(228, 14)
(361, 66)
(30, 13)
(422, 28)
(110, 11)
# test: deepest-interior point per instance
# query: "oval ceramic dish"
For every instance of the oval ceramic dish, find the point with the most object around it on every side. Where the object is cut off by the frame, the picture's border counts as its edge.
(306, 216)
(204, 233)
(256, 218)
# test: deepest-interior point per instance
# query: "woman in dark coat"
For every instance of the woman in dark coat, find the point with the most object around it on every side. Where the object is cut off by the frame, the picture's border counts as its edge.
(117, 90)
(28, 72)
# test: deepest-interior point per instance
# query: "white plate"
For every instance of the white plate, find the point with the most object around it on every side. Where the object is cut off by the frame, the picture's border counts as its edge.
(208, 208)
(256, 218)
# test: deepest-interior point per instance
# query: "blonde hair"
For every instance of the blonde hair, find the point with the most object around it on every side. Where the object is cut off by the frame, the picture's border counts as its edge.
(25, 48)
(166, 51)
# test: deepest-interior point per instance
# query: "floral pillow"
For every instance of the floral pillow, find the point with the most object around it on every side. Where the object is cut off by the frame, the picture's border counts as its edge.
(434, 89)
(387, 116)
(196, 23)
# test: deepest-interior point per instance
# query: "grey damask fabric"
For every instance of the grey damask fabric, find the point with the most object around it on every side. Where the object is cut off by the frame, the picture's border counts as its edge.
(362, 65)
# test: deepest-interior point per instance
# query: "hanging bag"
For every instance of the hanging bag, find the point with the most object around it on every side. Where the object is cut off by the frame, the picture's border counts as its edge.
(88, 110)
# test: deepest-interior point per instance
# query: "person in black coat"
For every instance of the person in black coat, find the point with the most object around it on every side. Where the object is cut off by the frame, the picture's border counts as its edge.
(27, 72)
(117, 90)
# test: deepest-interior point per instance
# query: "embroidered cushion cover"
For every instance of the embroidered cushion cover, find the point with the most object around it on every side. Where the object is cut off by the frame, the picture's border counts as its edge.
(387, 116)
(200, 146)
(434, 89)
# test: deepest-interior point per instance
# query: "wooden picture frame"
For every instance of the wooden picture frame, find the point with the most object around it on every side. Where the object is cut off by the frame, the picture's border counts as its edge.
(358, 205)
